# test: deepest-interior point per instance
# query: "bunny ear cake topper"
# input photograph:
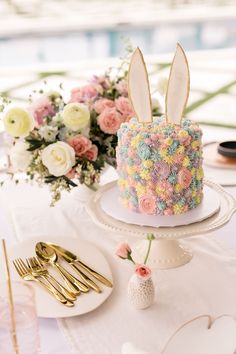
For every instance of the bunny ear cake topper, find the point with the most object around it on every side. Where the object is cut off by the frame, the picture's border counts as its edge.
(178, 87)
(139, 90)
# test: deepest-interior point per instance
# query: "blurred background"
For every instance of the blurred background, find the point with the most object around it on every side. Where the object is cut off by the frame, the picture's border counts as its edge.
(63, 43)
(48, 31)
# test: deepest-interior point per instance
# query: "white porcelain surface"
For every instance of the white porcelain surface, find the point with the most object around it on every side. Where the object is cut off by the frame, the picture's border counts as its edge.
(140, 292)
(47, 306)
(112, 206)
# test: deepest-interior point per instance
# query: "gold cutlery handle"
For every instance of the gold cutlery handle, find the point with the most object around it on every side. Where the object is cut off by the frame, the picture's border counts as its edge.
(53, 291)
(95, 274)
(86, 279)
(70, 286)
(68, 295)
(77, 283)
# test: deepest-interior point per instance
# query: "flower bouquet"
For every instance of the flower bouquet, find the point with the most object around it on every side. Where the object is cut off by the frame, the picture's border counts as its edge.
(65, 144)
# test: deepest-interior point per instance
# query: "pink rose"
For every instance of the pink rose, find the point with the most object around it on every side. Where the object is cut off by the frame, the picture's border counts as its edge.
(124, 107)
(109, 120)
(102, 104)
(143, 271)
(123, 250)
(147, 204)
(184, 177)
(92, 153)
(83, 94)
(103, 81)
(80, 144)
(41, 108)
(71, 174)
(122, 87)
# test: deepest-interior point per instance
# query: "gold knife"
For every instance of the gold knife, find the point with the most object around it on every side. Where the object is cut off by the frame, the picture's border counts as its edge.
(72, 259)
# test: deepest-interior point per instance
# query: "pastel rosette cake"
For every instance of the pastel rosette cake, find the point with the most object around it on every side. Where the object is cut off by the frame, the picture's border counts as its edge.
(160, 166)
(159, 161)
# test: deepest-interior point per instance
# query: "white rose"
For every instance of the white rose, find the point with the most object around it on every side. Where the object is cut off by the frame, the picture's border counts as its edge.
(59, 158)
(19, 156)
(76, 116)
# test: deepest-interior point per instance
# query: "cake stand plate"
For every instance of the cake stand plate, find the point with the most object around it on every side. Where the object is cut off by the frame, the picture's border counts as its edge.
(167, 251)
(209, 206)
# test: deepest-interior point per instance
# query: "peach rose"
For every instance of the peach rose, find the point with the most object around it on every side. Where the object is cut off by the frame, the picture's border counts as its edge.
(102, 104)
(124, 107)
(184, 177)
(143, 271)
(109, 120)
(123, 250)
(92, 153)
(147, 204)
(80, 144)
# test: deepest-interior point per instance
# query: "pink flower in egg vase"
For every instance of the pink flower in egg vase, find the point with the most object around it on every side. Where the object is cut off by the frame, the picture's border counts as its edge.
(184, 177)
(147, 204)
(41, 108)
(143, 271)
(109, 121)
(123, 250)
(81, 144)
(102, 104)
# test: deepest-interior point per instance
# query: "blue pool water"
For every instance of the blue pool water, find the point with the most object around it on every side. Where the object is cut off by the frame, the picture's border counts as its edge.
(73, 46)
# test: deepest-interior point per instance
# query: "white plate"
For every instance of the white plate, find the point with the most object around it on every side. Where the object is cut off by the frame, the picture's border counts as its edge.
(111, 205)
(49, 307)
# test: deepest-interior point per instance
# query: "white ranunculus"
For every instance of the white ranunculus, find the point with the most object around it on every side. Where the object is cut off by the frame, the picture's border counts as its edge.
(59, 158)
(19, 156)
(18, 122)
(76, 116)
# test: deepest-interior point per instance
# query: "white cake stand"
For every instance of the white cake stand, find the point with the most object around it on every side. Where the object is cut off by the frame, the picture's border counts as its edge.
(167, 251)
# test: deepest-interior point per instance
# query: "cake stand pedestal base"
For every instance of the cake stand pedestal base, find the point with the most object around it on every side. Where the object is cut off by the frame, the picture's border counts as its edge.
(167, 250)
(164, 254)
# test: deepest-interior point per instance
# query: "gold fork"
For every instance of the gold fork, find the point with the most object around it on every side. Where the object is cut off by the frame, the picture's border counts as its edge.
(26, 274)
(39, 270)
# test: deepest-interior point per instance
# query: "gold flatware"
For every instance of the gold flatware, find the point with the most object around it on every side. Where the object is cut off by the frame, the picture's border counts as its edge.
(73, 259)
(25, 273)
(48, 255)
(10, 300)
(39, 270)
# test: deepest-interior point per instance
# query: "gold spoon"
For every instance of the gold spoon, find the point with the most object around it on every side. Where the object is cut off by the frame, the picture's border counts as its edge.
(48, 255)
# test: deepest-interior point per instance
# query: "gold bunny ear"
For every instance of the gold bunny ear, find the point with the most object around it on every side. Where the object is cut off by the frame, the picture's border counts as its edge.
(138, 86)
(178, 87)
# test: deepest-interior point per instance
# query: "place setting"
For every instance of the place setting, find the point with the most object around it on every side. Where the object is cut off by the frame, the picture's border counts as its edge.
(180, 285)
(75, 287)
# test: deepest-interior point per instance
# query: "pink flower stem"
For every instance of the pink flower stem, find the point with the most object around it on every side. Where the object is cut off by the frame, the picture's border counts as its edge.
(129, 257)
(150, 237)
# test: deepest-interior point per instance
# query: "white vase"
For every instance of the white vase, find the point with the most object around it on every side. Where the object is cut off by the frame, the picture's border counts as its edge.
(141, 292)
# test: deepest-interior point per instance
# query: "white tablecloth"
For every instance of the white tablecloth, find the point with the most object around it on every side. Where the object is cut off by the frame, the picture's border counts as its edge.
(18, 201)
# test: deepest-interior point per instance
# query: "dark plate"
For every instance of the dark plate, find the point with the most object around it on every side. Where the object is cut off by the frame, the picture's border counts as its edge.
(227, 149)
